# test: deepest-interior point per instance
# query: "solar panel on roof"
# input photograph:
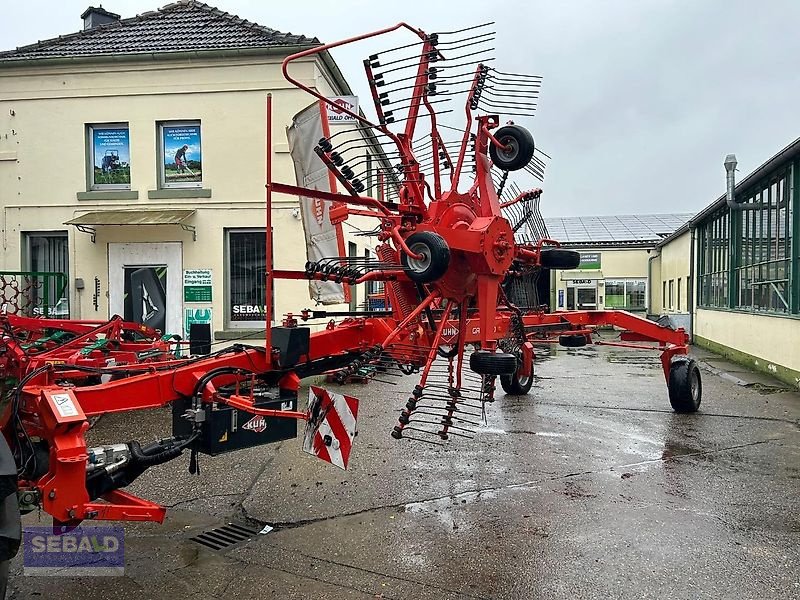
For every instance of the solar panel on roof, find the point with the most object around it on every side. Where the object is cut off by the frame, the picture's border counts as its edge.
(614, 228)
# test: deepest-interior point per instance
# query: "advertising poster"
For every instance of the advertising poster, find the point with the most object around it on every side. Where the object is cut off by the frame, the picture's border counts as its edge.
(590, 261)
(146, 296)
(195, 315)
(112, 156)
(183, 161)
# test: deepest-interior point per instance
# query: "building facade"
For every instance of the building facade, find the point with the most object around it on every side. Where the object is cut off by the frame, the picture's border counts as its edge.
(132, 157)
(615, 260)
(744, 266)
(670, 278)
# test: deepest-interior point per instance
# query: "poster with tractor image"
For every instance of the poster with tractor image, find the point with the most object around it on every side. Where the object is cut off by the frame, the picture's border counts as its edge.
(183, 161)
(112, 157)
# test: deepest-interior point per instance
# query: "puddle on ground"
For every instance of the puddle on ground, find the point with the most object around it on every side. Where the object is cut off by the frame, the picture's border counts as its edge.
(448, 512)
(675, 449)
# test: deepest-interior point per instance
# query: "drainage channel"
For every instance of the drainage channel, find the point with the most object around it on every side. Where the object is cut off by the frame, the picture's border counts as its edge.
(225, 537)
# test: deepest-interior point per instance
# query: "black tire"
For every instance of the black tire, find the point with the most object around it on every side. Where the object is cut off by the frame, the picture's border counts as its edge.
(436, 257)
(515, 384)
(685, 386)
(492, 363)
(518, 150)
(558, 258)
(572, 340)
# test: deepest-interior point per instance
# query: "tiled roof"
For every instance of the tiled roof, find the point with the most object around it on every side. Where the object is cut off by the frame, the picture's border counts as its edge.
(183, 26)
(623, 229)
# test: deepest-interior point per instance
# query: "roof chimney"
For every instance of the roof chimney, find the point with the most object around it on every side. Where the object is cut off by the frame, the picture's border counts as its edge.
(92, 17)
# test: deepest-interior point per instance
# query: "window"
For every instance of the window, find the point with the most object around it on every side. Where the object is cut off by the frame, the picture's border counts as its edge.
(615, 293)
(180, 156)
(678, 296)
(46, 255)
(635, 294)
(671, 293)
(714, 246)
(764, 254)
(628, 294)
(373, 290)
(109, 165)
(663, 295)
(246, 278)
(745, 255)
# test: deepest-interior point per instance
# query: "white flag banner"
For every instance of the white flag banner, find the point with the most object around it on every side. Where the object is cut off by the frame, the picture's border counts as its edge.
(310, 172)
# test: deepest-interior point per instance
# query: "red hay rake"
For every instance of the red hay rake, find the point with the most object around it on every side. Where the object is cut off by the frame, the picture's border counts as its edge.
(461, 250)
(462, 246)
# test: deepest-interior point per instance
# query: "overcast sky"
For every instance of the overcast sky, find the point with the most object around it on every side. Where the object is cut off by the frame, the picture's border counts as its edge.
(641, 100)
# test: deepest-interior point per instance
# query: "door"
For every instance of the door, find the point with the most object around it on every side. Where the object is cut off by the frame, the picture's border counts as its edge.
(582, 296)
(570, 298)
(145, 284)
(586, 298)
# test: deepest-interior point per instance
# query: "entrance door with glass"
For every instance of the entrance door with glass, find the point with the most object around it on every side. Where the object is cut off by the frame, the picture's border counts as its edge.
(582, 297)
(144, 284)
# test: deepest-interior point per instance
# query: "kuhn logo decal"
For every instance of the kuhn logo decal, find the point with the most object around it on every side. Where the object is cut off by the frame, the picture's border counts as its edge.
(319, 211)
(341, 103)
(257, 424)
(341, 109)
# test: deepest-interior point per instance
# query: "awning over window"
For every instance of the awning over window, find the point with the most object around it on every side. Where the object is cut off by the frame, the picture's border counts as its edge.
(133, 217)
(172, 216)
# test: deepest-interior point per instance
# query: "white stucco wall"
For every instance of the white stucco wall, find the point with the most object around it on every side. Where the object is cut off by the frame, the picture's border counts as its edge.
(774, 340)
(671, 264)
(43, 116)
(616, 263)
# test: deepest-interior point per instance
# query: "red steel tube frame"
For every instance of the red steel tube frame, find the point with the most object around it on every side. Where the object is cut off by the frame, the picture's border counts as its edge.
(268, 231)
(156, 387)
(325, 47)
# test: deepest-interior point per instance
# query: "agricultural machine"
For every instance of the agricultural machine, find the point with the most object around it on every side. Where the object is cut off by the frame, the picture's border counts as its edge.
(111, 161)
(460, 254)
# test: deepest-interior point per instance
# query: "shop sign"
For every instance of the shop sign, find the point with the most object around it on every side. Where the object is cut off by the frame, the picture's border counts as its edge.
(335, 106)
(590, 261)
(197, 285)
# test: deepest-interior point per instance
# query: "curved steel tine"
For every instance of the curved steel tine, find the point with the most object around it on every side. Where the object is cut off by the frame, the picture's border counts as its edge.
(522, 75)
(471, 28)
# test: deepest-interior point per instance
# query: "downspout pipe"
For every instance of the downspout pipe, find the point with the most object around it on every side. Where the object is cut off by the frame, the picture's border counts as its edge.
(656, 254)
(730, 197)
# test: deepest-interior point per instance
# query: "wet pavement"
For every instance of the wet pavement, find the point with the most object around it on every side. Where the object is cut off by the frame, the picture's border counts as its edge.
(591, 487)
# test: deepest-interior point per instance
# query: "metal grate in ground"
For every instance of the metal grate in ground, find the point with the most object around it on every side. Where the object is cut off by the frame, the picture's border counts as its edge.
(226, 536)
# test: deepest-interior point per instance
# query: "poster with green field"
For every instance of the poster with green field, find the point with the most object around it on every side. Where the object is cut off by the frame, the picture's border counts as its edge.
(183, 161)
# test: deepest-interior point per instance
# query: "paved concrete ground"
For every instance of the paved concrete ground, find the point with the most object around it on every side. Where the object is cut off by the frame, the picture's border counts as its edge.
(591, 487)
